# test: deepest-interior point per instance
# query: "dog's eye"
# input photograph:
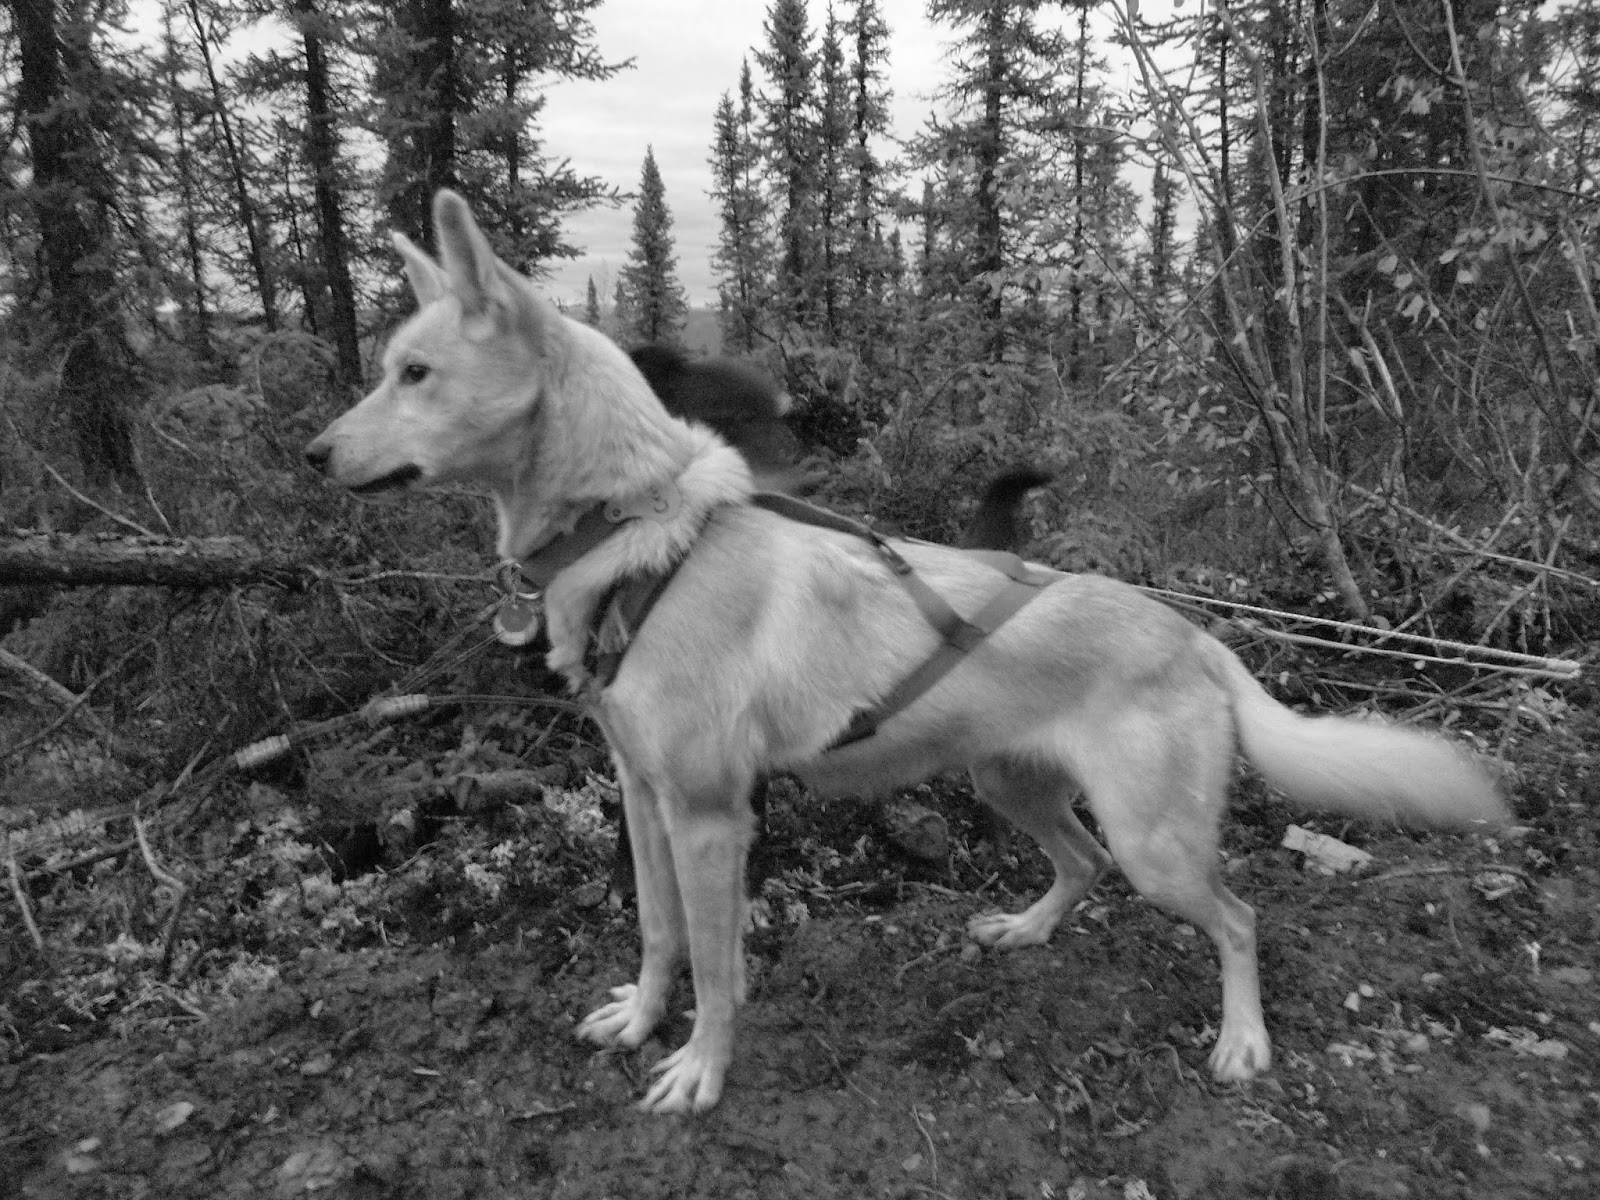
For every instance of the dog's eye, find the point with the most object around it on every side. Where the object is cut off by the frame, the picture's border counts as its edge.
(413, 373)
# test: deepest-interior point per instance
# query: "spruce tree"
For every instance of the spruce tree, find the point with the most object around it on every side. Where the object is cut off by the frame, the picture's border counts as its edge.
(867, 35)
(833, 190)
(323, 158)
(995, 159)
(591, 304)
(789, 118)
(458, 90)
(65, 98)
(620, 316)
(656, 304)
(743, 259)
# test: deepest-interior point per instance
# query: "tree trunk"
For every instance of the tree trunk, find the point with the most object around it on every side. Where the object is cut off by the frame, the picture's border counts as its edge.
(199, 320)
(322, 155)
(423, 158)
(71, 191)
(1080, 251)
(990, 150)
(255, 238)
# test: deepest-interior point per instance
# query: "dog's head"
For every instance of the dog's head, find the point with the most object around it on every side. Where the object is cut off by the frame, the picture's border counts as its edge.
(462, 378)
(467, 379)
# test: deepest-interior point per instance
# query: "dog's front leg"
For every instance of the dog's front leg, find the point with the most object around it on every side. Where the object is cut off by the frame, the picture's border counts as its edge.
(566, 625)
(709, 850)
(636, 1009)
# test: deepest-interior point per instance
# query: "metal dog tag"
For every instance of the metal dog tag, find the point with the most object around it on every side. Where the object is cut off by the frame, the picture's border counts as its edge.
(516, 622)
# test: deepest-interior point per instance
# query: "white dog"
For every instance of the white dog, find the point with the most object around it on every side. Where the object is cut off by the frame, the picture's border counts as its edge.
(771, 634)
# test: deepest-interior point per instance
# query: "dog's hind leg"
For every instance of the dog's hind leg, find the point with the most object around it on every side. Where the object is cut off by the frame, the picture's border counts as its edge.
(1038, 800)
(710, 831)
(636, 1009)
(1158, 786)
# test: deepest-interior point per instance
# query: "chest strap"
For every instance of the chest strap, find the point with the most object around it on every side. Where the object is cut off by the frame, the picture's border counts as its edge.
(958, 635)
(622, 614)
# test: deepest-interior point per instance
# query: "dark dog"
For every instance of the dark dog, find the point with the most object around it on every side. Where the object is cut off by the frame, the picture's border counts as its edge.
(741, 402)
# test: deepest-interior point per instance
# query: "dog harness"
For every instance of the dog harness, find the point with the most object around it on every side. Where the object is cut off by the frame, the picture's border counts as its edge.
(623, 611)
(958, 635)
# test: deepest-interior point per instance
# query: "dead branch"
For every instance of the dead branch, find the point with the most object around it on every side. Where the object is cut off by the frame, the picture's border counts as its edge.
(1450, 535)
(19, 894)
(62, 560)
(1416, 872)
(40, 687)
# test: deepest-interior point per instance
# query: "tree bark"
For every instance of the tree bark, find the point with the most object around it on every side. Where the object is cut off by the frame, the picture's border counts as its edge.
(62, 560)
(71, 193)
(423, 159)
(322, 155)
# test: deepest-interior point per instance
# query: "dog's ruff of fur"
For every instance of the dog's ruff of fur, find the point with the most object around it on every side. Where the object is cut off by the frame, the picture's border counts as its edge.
(774, 633)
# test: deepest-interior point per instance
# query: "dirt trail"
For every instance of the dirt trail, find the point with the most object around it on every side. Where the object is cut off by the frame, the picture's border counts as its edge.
(1423, 1048)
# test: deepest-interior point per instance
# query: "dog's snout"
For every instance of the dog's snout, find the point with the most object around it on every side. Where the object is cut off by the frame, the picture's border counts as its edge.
(318, 453)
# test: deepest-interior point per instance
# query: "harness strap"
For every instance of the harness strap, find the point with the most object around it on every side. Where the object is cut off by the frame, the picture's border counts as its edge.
(958, 634)
(623, 614)
(951, 625)
(1001, 608)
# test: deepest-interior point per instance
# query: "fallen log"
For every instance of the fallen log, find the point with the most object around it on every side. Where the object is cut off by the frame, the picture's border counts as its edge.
(84, 560)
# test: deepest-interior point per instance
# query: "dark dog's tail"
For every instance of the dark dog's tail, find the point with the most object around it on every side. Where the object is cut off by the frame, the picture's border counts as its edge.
(995, 525)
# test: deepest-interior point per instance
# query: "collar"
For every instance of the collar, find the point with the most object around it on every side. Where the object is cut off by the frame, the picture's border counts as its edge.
(521, 582)
(594, 525)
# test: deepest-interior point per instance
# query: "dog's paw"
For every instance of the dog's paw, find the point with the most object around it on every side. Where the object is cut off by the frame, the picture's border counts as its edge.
(689, 1080)
(1008, 931)
(1239, 1056)
(625, 1023)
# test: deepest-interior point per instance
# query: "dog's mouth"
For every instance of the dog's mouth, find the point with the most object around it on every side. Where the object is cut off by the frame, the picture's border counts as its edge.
(409, 473)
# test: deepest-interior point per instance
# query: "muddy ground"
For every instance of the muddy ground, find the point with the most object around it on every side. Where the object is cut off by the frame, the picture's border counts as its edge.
(406, 1030)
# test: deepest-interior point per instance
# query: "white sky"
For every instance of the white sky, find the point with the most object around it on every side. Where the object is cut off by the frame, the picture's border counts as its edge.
(687, 53)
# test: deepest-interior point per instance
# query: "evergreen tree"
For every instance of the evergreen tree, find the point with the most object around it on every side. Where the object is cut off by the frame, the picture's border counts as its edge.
(193, 293)
(323, 160)
(620, 314)
(872, 200)
(591, 304)
(833, 189)
(1165, 192)
(1005, 114)
(743, 258)
(226, 142)
(63, 94)
(655, 301)
(789, 116)
(458, 89)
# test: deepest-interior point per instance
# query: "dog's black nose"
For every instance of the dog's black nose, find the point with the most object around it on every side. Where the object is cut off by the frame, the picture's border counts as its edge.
(318, 454)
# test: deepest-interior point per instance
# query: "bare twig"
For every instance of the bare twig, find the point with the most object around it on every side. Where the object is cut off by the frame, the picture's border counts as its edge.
(1533, 584)
(42, 687)
(933, 1153)
(76, 494)
(1450, 535)
(179, 888)
(21, 897)
(1508, 660)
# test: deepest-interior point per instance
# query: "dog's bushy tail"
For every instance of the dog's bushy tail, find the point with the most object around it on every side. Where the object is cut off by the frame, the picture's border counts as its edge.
(1360, 768)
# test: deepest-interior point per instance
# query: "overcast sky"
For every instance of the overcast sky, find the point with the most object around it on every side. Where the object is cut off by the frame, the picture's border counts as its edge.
(686, 54)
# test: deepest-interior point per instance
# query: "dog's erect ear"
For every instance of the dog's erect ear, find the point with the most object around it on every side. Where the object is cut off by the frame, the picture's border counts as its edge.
(427, 280)
(468, 261)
